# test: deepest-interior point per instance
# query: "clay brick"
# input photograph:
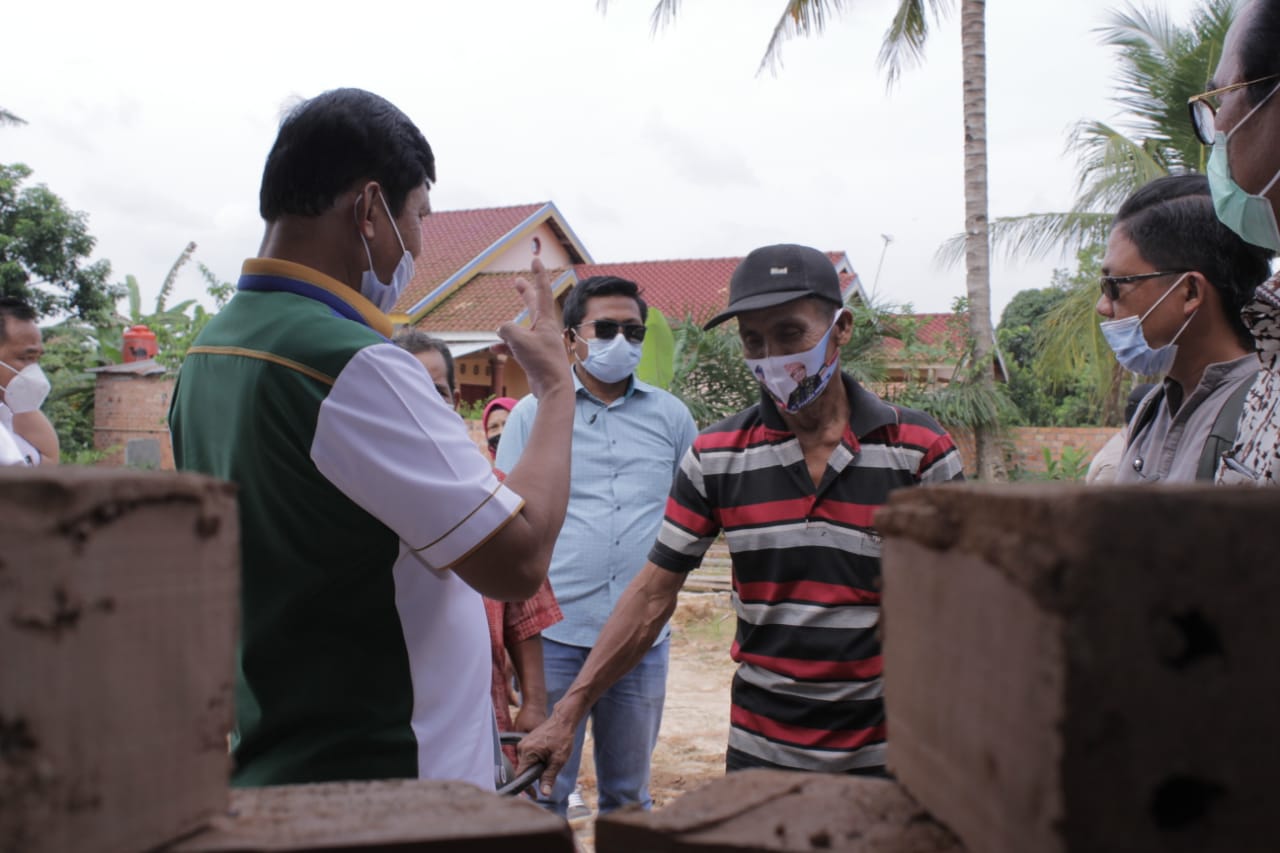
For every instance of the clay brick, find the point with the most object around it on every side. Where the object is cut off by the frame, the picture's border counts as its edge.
(1084, 669)
(773, 810)
(118, 610)
(407, 816)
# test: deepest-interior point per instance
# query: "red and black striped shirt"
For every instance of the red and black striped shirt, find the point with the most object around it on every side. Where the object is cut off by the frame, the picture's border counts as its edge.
(806, 571)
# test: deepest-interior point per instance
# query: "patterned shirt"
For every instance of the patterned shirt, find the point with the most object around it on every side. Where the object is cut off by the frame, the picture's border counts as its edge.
(1255, 458)
(511, 623)
(806, 571)
(624, 456)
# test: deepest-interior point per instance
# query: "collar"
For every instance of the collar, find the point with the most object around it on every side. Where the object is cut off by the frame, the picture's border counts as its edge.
(867, 412)
(275, 275)
(633, 385)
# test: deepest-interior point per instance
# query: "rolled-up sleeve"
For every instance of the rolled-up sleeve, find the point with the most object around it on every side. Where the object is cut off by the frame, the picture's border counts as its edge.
(387, 440)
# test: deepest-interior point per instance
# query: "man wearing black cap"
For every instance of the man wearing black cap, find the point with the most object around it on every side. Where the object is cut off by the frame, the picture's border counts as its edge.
(793, 483)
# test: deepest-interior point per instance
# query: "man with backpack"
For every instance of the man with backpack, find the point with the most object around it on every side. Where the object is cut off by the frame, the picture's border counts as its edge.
(1174, 279)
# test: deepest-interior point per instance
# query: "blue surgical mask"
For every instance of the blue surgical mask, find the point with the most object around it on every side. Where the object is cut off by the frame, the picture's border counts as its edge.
(1130, 345)
(612, 360)
(794, 381)
(385, 294)
(1249, 215)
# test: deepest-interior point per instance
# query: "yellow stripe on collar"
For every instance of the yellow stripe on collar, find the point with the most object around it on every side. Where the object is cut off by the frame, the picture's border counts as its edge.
(378, 321)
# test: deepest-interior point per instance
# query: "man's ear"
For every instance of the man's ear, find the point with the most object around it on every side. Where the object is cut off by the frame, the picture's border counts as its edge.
(844, 327)
(1196, 286)
(366, 202)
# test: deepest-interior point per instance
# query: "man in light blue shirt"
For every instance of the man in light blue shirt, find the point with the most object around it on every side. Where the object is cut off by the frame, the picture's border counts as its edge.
(628, 440)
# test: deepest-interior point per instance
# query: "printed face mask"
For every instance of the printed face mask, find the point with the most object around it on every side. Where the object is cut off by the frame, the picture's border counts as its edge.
(1249, 215)
(794, 381)
(385, 294)
(1130, 345)
(26, 391)
(612, 360)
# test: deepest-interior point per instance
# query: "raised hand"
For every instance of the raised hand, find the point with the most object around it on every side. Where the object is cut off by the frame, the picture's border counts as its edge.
(539, 346)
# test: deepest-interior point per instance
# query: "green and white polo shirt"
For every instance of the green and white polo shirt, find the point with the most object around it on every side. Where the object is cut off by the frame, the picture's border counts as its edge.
(361, 655)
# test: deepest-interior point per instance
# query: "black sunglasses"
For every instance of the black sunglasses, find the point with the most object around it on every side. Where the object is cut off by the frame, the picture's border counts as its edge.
(606, 329)
(1110, 284)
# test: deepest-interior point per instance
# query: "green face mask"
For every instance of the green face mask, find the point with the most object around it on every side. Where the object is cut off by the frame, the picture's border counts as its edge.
(1249, 215)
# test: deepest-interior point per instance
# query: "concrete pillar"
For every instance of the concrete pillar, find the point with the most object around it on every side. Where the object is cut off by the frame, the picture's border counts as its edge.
(1085, 669)
(118, 612)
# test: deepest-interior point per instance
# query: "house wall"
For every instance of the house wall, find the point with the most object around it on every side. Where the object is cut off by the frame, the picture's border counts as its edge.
(1025, 446)
(520, 254)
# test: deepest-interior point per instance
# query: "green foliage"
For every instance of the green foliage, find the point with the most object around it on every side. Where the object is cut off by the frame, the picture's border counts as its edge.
(710, 375)
(44, 251)
(657, 359)
(70, 348)
(1072, 465)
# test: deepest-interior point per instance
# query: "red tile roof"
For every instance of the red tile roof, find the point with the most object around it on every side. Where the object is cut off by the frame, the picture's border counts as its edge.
(944, 331)
(451, 239)
(483, 304)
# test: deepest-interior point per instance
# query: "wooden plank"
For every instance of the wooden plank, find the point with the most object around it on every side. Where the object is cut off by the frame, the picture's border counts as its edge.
(773, 810)
(1081, 669)
(118, 604)
(406, 816)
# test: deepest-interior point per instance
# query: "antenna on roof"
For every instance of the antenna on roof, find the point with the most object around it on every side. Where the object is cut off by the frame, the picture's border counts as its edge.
(875, 283)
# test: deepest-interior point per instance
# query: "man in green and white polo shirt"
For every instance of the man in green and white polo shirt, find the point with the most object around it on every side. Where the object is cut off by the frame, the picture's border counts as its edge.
(370, 522)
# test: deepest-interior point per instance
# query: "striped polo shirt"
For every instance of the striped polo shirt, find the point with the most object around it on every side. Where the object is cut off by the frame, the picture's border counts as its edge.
(806, 571)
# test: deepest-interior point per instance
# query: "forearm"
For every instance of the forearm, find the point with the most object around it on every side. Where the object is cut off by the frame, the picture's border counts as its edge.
(39, 432)
(541, 476)
(526, 657)
(645, 607)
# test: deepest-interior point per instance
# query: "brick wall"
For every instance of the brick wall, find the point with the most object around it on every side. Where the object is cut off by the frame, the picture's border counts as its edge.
(1024, 446)
(129, 407)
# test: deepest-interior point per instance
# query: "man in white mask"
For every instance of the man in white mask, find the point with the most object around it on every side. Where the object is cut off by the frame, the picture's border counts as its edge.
(23, 388)
(1173, 281)
(628, 440)
(1239, 116)
(370, 523)
(793, 482)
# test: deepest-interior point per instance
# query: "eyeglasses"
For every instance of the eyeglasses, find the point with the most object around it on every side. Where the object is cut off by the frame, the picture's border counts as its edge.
(1204, 113)
(1110, 284)
(606, 329)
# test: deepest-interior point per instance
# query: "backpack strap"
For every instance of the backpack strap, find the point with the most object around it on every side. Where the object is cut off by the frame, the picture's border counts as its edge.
(1145, 414)
(1223, 435)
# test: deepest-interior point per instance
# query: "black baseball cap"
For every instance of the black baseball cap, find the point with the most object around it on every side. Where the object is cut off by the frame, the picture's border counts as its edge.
(773, 275)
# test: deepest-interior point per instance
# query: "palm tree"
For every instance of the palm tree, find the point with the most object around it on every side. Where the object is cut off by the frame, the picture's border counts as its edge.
(1161, 65)
(903, 45)
(7, 117)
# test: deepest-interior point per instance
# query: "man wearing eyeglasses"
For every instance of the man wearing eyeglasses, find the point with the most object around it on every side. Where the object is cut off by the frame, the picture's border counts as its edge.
(1174, 280)
(1240, 117)
(628, 440)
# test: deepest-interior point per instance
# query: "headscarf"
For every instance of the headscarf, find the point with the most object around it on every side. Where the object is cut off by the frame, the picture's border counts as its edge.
(506, 403)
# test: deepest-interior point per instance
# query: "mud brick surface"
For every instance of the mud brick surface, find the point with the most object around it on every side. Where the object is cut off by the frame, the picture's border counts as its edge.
(774, 810)
(1082, 669)
(118, 611)
(401, 815)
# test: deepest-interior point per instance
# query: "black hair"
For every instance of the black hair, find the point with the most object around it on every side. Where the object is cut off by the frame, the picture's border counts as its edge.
(575, 304)
(1258, 55)
(330, 142)
(1172, 223)
(12, 306)
(416, 341)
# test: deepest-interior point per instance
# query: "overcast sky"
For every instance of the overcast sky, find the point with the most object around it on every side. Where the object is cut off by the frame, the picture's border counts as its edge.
(155, 119)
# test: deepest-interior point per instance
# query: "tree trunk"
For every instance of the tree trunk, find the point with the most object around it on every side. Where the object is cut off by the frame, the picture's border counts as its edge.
(977, 246)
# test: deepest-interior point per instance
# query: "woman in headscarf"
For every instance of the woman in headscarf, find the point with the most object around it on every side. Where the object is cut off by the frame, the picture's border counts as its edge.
(495, 419)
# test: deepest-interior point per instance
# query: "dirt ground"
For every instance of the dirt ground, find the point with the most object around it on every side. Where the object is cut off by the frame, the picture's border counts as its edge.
(695, 721)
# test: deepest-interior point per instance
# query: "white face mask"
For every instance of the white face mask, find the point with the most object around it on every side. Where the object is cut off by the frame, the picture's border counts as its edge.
(794, 381)
(27, 391)
(612, 360)
(382, 294)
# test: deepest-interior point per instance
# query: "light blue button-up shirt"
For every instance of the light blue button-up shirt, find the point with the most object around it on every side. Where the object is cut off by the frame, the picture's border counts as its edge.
(624, 457)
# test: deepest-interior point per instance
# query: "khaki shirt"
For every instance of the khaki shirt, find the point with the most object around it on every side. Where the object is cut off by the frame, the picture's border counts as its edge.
(1168, 448)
